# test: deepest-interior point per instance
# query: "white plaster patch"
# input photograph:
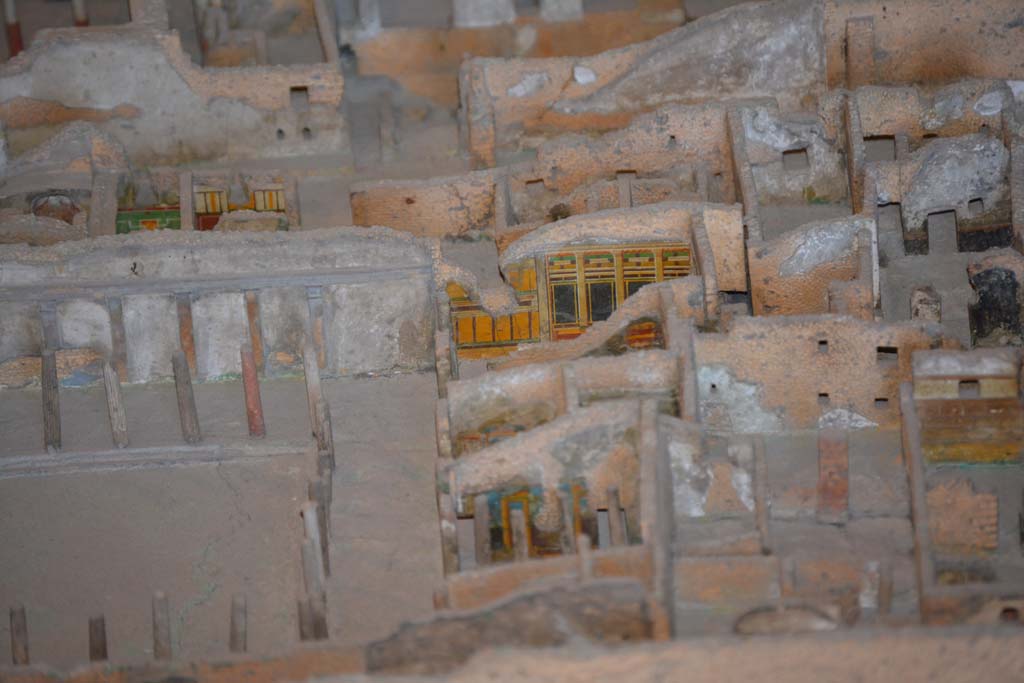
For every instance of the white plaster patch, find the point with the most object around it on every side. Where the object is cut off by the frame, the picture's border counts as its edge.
(583, 75)
(945, 108)
(689, 479)
(993, 362)
(151, 331)
(990, 103)
(526, 38)
(530, 84)
(765, 128)
(955, 171)
(884, 197)
(482, 13)
(1017, 88)
(823, 243)
(84, 324)
(737, 404)
(221, 327)
(869, 585)
(743, 484)
(841, 418)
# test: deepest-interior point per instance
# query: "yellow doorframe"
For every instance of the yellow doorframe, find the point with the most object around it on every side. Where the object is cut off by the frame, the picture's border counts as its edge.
(523, 497)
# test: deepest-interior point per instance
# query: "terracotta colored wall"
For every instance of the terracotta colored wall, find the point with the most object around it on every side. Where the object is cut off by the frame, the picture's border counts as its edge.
(724, 228)
(768, 372)
(671, 136)
(264, 87)
(981, 39)
(891, 110)
(436, 207)
(538, 390)
(725, 580)
(790, 275)
(469, 590)
(426, 60)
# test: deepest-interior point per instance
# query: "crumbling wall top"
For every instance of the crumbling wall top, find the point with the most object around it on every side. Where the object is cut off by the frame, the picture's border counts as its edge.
(170, 254)
(665, 222)
(1000, 362)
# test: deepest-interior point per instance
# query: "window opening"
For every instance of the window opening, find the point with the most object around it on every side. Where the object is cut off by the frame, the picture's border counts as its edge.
(796, 160)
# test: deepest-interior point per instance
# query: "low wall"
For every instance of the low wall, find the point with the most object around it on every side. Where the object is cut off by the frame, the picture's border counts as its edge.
(435, 207)
(364, 297)
(607, 611)
(539, 391)
(475, 589)
(781, 373)
(790, 275)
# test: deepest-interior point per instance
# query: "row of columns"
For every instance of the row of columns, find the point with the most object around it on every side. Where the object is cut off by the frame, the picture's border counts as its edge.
(319, 411)
(187, 412)
(518, 522)
(15, 44)
(251, 352)
(162, 646)
(312, 604)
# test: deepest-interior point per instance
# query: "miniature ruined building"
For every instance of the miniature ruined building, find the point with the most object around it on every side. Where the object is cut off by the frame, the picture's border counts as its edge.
(376, 337)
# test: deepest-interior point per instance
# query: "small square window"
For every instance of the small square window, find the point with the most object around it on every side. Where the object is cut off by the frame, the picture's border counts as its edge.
(299, 98)
(969, 388)
(824, 400)
(975, 208)
(941, 222)
(888, 355)
(822, 346)
(796, 160)
(880, 148)
(882, 404)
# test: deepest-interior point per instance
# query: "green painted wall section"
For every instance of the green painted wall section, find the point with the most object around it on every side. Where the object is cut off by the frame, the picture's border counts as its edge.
(162, 219)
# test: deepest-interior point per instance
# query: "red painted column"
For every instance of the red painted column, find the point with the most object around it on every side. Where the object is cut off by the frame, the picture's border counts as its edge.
(79, 12)
(14, 42)
(251, 387)
(833, 476)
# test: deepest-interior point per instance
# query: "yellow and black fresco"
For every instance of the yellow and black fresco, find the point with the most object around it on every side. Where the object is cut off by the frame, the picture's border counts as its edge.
(210, 203)
(578, 287)
(479, 335)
